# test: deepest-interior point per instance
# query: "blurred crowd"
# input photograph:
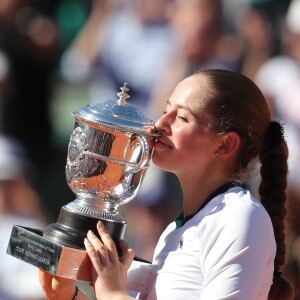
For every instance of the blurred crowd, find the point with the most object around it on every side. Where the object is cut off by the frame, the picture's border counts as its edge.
(58, 55)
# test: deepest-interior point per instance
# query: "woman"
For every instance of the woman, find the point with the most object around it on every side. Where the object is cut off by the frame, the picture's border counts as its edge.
(225, 245)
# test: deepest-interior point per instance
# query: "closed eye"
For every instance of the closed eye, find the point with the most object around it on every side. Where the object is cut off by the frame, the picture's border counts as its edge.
(182, 118)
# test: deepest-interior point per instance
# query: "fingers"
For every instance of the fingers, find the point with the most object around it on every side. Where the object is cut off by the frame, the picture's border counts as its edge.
(128, 254)
(105, 252)
(108, 242)
(45, 279)
(95, 259)
(124, 246)
(96, 249)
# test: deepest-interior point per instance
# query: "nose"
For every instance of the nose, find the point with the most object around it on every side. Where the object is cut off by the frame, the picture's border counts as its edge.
(163, 123)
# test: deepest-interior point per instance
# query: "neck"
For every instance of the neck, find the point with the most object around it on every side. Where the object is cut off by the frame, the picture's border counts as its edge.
(194, 194)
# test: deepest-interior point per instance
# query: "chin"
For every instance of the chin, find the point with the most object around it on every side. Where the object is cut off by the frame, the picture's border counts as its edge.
(157, 160)
(162, 163)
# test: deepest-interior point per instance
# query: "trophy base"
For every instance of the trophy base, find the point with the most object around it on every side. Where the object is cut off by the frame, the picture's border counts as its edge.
(29, 245)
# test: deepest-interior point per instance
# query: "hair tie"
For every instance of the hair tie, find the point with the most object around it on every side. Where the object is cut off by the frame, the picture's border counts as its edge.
(274, 134)
(277, 273)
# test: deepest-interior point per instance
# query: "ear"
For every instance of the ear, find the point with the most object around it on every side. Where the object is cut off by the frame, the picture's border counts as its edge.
(229, 144)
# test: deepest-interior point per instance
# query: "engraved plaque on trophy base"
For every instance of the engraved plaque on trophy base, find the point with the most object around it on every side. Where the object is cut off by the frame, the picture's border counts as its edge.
(29, 245)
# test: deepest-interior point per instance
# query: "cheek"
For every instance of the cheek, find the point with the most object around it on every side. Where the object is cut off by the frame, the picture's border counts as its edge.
(189, 141)
(199, 148)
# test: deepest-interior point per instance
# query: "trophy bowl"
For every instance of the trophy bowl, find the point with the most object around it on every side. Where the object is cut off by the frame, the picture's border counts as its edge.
(108, 155)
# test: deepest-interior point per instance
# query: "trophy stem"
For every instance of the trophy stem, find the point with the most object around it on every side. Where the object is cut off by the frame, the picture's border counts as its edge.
(72, 227)
(95, 208)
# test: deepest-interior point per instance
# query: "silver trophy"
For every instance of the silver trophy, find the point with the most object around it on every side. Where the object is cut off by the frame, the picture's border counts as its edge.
(108, 155)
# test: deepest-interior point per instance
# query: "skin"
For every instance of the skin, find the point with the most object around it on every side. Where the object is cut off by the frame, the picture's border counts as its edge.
(109, 271)
(186, 147)
(56, 287)
(189, 150)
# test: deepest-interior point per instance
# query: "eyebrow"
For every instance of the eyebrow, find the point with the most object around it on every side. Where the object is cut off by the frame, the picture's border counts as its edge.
(183, 107)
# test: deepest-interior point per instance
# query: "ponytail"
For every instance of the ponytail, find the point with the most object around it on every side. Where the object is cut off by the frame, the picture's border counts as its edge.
(274, 168)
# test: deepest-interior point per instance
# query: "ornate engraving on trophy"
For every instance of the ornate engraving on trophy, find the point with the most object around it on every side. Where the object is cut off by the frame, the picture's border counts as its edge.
(76, 148)
(85, 169)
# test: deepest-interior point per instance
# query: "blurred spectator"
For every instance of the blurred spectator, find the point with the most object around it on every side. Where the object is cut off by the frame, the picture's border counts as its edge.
(31, 39)
(255, 31)
(19, 204)
(28, 41)
(197, 27)
(70, 16)
(121, 42)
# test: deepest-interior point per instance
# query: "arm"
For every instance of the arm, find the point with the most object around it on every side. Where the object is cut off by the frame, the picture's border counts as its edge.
(88, 43)
(109, 270)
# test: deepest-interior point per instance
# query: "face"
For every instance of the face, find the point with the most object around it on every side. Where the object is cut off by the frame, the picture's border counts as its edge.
(186, 144)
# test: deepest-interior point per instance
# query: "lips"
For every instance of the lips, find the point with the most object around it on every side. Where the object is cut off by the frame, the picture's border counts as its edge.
(162, 142)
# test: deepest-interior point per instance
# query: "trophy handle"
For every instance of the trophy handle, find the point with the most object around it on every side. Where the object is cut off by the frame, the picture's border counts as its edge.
(142, 157)
(109, 159)
(134, 166)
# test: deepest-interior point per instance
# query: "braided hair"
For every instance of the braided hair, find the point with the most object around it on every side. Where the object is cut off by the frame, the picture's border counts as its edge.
(273, 157)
